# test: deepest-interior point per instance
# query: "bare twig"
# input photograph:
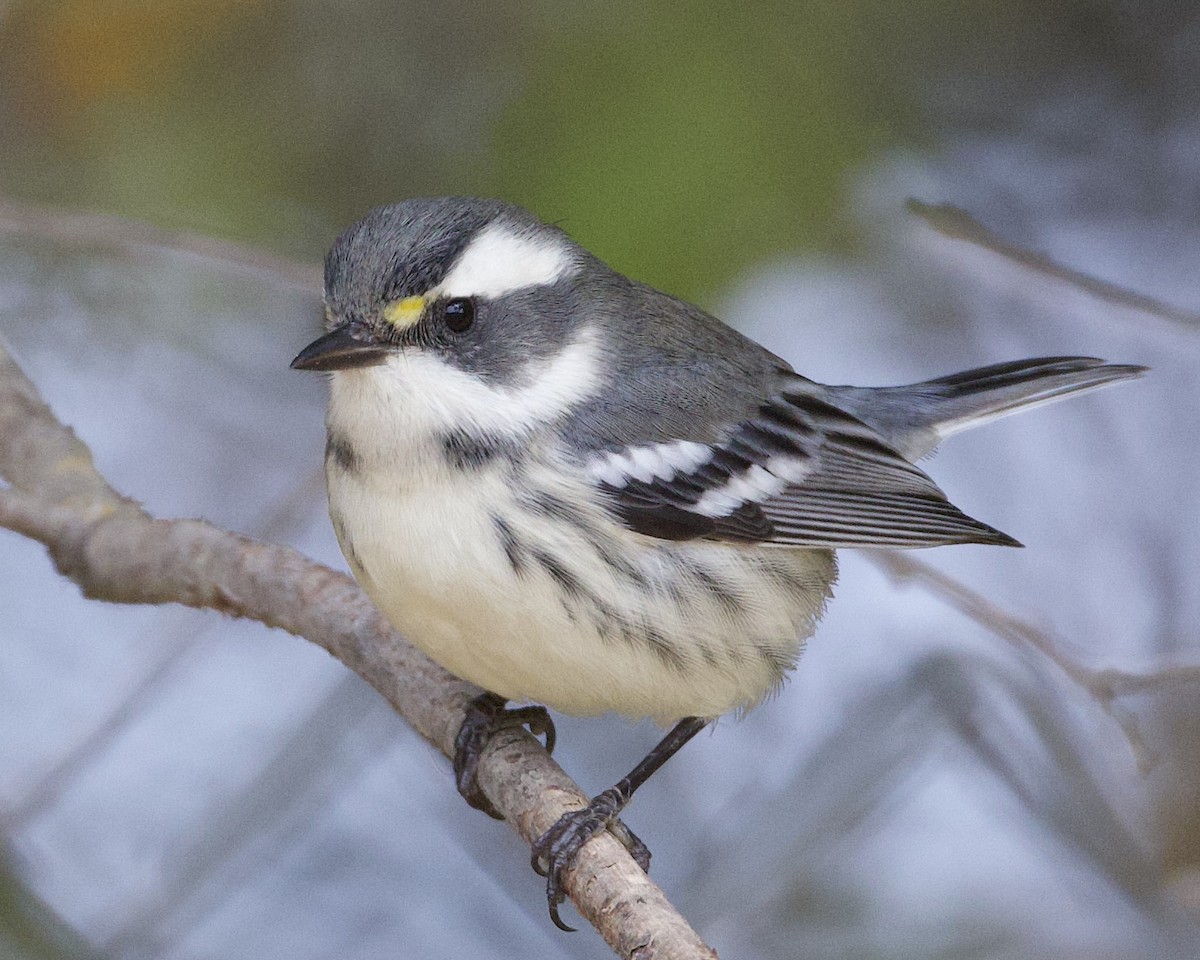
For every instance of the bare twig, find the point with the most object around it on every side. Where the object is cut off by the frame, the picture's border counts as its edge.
(69, 226)
(116, 552)
(957, 224)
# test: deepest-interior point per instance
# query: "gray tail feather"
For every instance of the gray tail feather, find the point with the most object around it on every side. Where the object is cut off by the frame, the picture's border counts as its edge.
(916, 417)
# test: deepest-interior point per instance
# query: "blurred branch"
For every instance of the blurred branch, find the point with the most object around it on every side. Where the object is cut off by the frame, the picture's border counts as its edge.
(104, 229)
(957, 224)
(1106, 685)
(116, 552)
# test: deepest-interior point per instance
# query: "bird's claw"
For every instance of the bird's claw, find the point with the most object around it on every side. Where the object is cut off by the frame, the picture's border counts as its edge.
(555, 851)
(485, 716)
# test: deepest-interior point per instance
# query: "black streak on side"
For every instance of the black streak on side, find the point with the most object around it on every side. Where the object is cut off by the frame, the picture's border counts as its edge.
(607, 621)
(342, 452)
(560, 575)
(709, 655)
(779, 662)
(661, 648)
(564, 578)
(513, 548)
(556, 507)
(471, 451)
(718, 589)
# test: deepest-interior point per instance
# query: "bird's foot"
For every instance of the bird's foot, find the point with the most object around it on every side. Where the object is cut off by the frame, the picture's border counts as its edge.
(555, 851)
(486, 715)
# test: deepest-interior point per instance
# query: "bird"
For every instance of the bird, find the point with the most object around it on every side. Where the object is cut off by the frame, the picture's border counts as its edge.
(581, 493)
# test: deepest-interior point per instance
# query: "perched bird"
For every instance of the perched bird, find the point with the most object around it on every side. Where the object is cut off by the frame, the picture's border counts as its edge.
(572, 489)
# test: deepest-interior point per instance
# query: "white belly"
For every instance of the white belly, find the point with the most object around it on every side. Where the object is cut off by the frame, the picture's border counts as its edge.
(532, 610)
(579, 614)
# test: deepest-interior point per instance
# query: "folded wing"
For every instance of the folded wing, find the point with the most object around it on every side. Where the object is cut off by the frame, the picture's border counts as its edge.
(800, 472)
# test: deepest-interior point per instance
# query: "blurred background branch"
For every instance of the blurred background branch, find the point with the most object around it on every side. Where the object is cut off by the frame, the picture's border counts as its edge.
(958, 224)
(73, 228)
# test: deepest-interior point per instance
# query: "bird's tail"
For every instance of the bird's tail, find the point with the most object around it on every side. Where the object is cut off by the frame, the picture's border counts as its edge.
(917, 417)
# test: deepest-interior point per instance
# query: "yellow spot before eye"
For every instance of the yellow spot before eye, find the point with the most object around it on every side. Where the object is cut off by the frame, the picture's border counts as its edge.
(404, 313)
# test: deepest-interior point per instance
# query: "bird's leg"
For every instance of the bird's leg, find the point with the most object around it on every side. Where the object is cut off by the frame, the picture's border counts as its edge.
(555, 850)
(485, 716)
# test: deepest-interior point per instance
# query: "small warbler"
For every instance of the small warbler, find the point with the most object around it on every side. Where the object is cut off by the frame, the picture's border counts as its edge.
(570, 488)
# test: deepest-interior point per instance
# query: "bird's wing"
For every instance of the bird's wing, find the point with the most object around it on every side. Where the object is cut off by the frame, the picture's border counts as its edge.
(799, 472)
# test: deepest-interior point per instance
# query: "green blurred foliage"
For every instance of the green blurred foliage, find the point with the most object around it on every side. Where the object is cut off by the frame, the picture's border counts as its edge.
(684, 147)
(681, 141)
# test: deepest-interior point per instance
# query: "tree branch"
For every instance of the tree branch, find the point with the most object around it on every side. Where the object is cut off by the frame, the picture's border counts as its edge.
(957, 224)
(116, 552)
(71, 226)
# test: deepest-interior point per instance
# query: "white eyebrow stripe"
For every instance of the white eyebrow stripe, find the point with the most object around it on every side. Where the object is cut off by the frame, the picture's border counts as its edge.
(501, 259)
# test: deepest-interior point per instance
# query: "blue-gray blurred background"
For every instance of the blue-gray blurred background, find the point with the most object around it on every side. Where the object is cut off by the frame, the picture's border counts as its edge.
(177, 785)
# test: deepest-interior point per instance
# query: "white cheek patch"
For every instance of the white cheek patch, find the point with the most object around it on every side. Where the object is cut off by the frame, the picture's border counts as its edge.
(500, 260)
(412, 396)
(457, 397)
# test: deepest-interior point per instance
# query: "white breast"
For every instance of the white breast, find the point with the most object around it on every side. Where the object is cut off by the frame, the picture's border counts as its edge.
(583, 616)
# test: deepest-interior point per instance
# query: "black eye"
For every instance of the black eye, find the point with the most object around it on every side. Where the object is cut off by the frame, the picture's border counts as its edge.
(459, 314)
